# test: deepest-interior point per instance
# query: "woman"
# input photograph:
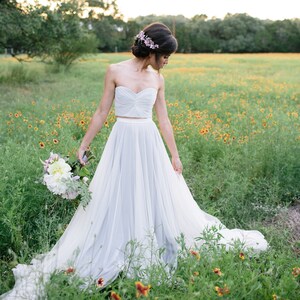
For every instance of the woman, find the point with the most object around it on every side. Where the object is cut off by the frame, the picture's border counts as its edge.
(140, 202)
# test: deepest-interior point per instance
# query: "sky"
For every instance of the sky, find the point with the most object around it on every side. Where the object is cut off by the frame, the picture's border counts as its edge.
(262, 9)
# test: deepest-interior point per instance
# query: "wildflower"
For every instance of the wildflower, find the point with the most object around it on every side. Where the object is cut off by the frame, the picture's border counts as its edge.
(106, 124)
(29, 126)
(196, 273)
(69, 270)
(10, 114)
(82, 122)
(242, 256)
(274, 297)
(35, 128)
(100, 282)
(17, 115)
(294, 114)
(55, 141)
(33, 102)
(115, 296)
(42, 122)
(217, 271)
(142, 290)
(222, 291)
(42, 145)
(296, 272)
(203, 131)
(195, 253)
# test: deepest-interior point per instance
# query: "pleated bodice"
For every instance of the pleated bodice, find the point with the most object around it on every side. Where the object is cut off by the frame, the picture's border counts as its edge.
(134, 105)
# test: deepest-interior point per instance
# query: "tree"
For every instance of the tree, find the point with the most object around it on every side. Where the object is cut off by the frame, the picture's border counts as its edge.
(53, 34)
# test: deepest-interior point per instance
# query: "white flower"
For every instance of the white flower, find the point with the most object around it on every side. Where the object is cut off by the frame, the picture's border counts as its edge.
(60, 168)
(60, 180)
(55, 184)
(70, 195)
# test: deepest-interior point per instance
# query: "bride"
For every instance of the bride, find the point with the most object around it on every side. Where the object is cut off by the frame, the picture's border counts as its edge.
(138, 193)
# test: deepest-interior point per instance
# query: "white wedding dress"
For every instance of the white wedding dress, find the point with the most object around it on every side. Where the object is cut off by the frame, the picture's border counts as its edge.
(139, 205)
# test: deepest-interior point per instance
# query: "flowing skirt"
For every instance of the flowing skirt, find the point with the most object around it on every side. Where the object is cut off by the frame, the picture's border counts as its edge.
(139, 205)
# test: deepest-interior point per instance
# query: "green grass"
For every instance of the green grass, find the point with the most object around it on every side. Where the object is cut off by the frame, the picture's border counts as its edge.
(236, 122)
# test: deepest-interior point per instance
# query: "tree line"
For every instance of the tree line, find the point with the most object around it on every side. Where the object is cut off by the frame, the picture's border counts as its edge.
(71, 28)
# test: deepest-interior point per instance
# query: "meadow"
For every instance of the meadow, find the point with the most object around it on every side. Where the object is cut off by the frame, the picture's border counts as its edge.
(236, 123)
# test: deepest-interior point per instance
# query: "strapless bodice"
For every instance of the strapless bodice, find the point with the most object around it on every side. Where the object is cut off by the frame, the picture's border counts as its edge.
(134, 105)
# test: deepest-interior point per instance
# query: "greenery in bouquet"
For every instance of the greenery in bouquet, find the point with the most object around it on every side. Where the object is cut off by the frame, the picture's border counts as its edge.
(67, 178)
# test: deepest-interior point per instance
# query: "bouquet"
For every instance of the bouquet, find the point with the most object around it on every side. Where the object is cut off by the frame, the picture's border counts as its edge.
(67, 179)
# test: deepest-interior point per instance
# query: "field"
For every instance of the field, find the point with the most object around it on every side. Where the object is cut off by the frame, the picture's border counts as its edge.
(236, 123)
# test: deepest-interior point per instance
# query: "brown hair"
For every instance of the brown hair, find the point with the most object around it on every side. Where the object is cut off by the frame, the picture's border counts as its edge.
(161, 35)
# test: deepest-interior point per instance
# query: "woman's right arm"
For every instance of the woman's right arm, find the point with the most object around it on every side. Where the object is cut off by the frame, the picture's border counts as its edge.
(100, 114)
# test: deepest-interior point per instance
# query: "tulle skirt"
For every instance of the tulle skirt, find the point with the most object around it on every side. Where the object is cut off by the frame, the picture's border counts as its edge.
(140, 206)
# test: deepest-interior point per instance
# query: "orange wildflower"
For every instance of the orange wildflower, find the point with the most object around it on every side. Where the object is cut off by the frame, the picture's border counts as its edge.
(100, 282)
(69, 270)
(195, 253)
(196, 273)
(203, 131)
(242, 256)
(42, 145)
(142, 290)
(222, 291)
(115, 296)
(17, 115)
(217, 271)
(296, 272)
(55, 141)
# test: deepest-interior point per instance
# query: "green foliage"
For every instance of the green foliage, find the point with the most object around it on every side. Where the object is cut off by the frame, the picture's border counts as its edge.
(17, 75)
(56, 35)
(72, 48)
(72, 28)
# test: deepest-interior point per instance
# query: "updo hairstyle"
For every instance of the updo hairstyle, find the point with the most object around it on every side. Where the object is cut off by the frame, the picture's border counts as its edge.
(161, 35)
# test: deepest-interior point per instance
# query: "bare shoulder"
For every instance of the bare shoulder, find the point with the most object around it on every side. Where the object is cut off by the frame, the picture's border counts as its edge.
(161, 81)
(120, 65)
(116, 70)
(113, 70)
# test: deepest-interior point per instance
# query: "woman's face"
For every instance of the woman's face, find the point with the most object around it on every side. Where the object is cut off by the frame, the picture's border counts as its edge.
(163, 60)
(160, 63)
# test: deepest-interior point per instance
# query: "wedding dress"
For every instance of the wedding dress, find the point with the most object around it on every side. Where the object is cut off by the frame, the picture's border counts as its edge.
(136, 197)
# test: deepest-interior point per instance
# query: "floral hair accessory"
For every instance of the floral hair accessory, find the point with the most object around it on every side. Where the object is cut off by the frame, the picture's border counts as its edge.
(147, 40)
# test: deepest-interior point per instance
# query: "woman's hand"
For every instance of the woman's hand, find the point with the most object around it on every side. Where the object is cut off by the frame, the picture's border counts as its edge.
(79, 154)
(177, 165)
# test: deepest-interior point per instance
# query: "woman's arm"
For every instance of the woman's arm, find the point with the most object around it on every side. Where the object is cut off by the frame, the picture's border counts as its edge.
(166, 127)
(100, 114)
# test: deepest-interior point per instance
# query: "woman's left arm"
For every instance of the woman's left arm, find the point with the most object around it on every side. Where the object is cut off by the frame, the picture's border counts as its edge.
(166, 126)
